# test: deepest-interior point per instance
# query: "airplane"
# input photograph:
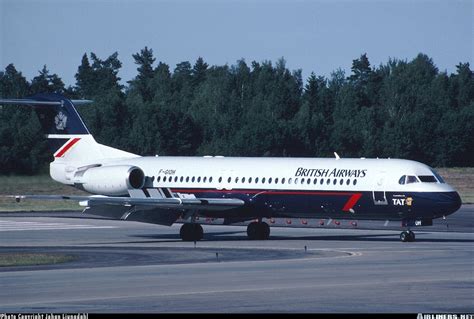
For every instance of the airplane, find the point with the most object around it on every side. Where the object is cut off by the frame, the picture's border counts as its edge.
(163, 189)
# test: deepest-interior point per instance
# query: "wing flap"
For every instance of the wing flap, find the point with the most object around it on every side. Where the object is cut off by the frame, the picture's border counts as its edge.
(184, 203)
(158, 216)
(162, 211)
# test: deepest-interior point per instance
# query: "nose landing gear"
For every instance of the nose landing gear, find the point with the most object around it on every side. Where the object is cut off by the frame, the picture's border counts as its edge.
(407, 236)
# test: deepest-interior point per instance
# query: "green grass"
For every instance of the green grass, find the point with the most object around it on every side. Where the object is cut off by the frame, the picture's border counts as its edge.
(29, 259)
(35, 185)
(462, 179)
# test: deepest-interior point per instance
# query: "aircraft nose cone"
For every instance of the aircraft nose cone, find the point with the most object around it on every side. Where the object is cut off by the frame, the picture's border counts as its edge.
(451, 202)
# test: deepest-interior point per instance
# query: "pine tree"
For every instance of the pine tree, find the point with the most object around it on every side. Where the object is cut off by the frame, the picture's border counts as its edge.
(145, 61)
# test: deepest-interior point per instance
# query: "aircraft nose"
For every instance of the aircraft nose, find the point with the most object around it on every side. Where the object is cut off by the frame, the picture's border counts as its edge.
(450, 202)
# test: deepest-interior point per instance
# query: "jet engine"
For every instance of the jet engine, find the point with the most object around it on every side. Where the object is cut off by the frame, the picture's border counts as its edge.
(110, 180)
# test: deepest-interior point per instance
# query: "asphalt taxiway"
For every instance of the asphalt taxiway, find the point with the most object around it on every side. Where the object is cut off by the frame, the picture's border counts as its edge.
(135, 267)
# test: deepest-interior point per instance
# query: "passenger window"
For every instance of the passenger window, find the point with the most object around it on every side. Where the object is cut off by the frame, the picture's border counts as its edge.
(193, 179)
(256, 180)
(290, 180)
(181, 179)
(276, 180)
(309, 181)
(341, 182)
(411, 179)
(236, 180)
(354, 182)
(204, 179)
(328, 181)
(250, 180)
(283, 180)
(315, 181)
(210, 179)
(187, 179)
(263, 180)
(296, 181)
(175, 179)
(302, 181)
(158, 179)
(321, 181)
(199, 179)
(348, 181)
(220, 179)
(270, 180)
(401, 181)
(229, 179)
(243, 179)
(334, 182)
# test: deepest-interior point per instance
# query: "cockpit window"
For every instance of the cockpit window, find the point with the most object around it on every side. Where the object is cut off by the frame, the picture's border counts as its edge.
(438, 177)
(411, 179)
(427, 179)
(401, 181)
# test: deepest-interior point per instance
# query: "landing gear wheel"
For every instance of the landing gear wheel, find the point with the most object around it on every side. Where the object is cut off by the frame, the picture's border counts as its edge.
(264, 231)
(258, 231)
(191, 232)
(404, 236)
(252, 230)
(407, 236)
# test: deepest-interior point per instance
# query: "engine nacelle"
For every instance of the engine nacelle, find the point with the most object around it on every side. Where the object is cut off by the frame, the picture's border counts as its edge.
(110, 180)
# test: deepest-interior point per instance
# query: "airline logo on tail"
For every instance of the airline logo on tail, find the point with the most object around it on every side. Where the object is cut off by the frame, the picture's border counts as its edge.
(60, 120)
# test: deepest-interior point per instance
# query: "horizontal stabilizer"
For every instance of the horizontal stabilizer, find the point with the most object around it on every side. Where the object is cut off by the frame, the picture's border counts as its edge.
(34, 102)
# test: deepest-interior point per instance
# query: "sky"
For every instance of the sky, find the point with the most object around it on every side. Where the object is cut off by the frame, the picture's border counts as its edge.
(316, 36)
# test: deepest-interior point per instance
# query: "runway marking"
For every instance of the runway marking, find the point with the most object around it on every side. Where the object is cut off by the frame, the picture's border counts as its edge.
(6, 225)
(211, 291)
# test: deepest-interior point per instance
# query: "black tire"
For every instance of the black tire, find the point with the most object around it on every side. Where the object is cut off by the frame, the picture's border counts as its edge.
(185, 232)
(191, 232)
(404, 236)
(252, 230)
(198, 232)
(258, 231)
(264, 231)
(411, 236)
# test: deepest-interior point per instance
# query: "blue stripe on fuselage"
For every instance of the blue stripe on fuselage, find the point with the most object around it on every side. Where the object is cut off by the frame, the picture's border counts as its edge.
(330, 204)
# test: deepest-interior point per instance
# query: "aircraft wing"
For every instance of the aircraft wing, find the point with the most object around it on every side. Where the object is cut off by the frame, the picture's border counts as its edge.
(163, 211)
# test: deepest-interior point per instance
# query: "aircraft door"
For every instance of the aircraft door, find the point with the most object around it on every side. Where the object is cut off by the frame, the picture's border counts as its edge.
(378, 194)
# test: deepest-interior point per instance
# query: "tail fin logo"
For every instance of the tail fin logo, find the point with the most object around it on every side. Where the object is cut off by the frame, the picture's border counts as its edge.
(60, 120)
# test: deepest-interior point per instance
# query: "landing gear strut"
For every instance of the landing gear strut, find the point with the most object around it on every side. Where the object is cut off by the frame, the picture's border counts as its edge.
(258, 230)
(191, 232)
(407, 236)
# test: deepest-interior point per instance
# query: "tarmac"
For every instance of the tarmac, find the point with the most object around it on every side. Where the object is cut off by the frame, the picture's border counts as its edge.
(130, 267)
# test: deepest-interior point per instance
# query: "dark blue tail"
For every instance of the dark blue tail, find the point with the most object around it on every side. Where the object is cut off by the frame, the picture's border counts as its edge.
(59, 117)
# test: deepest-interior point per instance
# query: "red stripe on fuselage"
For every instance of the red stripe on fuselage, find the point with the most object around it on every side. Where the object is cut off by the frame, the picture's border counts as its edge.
(352, 201)
(67, 146)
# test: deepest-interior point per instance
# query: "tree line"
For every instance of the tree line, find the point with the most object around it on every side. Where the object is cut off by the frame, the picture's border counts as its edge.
(400, 109)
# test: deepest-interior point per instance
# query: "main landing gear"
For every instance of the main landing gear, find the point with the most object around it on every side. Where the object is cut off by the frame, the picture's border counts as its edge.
(258, 230)
(191, 232)
(407, 235)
